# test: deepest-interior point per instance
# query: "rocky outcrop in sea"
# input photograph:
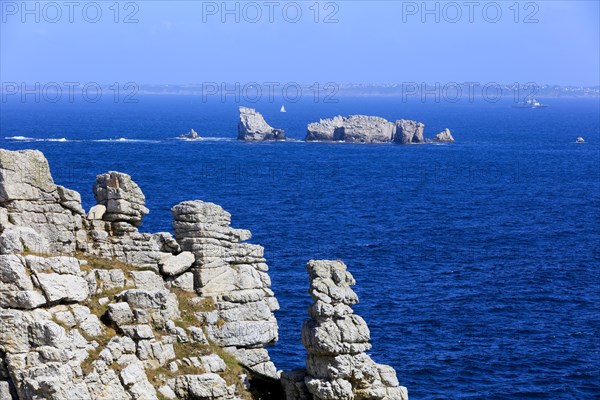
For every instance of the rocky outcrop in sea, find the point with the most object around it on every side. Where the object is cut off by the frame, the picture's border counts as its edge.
(443, 137)
(253, 127)
(365, 129)
(336, 341)
(91, 308)
(191, 135)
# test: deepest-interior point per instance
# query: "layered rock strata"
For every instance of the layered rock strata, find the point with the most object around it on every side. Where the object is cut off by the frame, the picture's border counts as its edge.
(443, 137)
(234, 276)
(365, 129)
(336, 341)
(36, 213)
(253, 127)
(92, 309)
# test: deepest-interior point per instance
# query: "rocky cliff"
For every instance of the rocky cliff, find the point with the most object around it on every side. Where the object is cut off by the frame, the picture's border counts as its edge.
(91, 308)
(365, 129)
(253, 127)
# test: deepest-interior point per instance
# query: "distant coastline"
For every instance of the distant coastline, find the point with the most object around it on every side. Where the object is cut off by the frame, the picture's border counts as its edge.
(325, 91)
(395, 90)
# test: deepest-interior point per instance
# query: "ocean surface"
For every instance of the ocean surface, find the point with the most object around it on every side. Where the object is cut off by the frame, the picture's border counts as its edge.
(477, 263)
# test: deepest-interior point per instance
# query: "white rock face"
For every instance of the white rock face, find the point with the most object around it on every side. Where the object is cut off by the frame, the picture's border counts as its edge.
(355, 128)
(233, 275)
(205, 386)
(253, 127)
(336, 340)
(30, 199)
(409, 132)
(175, 265)
(365, 129)
(66, 288)
(443, 137)
(96, 212)
(123, 198)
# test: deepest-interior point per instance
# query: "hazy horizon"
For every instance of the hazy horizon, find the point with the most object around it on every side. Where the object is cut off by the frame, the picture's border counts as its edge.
(347, 42)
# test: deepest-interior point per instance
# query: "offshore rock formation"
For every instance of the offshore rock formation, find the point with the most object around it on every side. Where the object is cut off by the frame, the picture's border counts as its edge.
(366, 129)
(336, 339)
(253, 127)
(443, 137)
(191, 135)
(355, 128)
(408, 132)
(92, 309)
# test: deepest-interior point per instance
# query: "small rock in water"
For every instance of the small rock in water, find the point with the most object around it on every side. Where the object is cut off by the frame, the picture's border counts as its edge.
(191, 135)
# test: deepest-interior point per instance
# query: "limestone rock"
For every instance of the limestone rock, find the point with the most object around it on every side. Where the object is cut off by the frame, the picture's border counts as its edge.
(63, 287)
(233, 275)
(409, 132)
(443, 137)
(336, 340)
(253, 127)
(16, 287)
(191, 135)
(203, 387)
(122, 197)
(355, 128)
(96, 212)
(175, 265)
(31, 199)
(70, 199)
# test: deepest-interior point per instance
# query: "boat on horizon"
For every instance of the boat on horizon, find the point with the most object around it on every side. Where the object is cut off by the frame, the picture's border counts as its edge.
(530, 102)
(282, 109)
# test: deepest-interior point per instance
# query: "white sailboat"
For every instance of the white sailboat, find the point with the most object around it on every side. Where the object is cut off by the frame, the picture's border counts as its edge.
(282, 109)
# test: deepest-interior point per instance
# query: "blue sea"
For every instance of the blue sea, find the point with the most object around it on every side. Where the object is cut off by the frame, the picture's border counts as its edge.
(477, 263)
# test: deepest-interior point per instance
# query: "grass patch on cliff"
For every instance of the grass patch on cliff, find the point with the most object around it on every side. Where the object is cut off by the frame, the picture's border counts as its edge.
(87, 365)
(94, 262)
(232, 373)
(190, 304)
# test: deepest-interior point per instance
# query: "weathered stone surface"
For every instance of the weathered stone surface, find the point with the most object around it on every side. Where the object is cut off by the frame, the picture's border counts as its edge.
(203, 387)
(191, 135)
(443, 137)
(17, 239)
(62, 287)
(122, 197)
(355, 128)
(32, 200)
(97, 212)
(294, 386)
(232, 275)
(16, 287)
(365, 129)
(70, 199)
(336, 340)
(174, 265)
(409, 132)
(253, 127)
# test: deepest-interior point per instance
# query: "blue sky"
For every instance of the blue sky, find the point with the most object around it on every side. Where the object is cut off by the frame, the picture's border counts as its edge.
(555, 42)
